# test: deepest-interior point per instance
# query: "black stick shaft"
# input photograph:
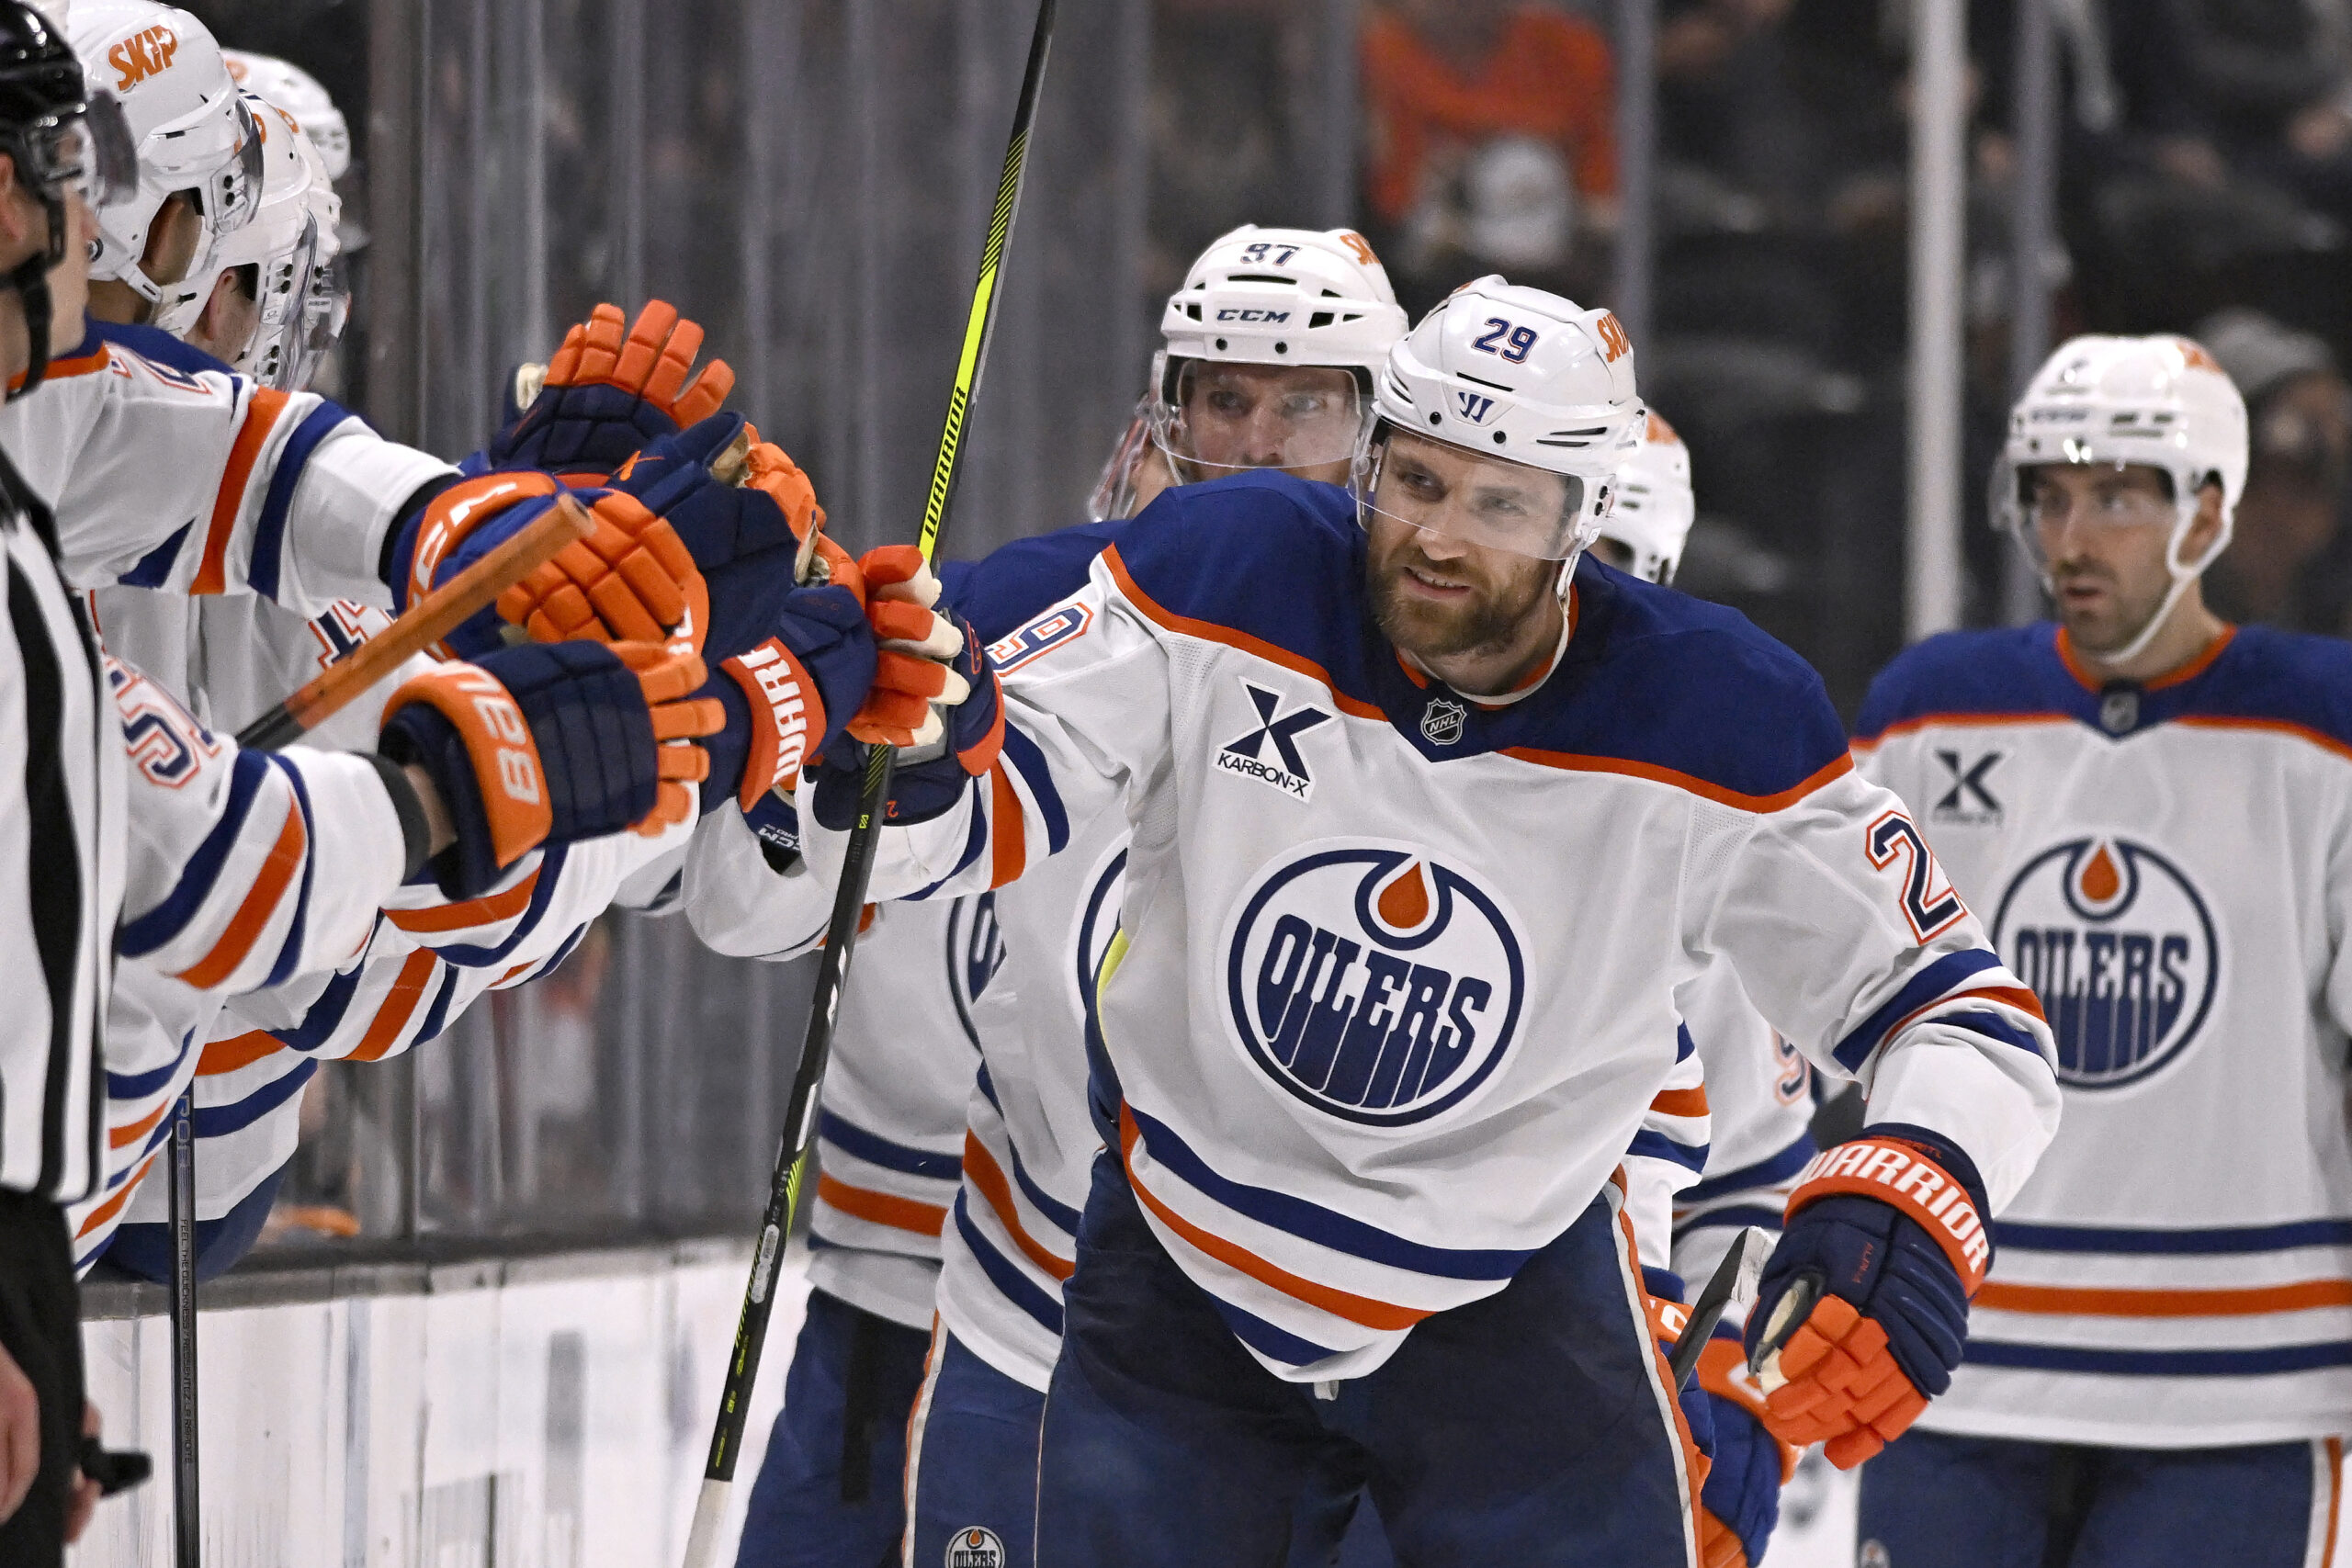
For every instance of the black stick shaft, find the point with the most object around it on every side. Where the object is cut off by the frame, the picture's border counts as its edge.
(849, 898)
(186, 1539)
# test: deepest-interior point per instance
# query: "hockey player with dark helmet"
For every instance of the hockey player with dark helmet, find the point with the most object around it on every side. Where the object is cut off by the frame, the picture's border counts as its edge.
(63, 142)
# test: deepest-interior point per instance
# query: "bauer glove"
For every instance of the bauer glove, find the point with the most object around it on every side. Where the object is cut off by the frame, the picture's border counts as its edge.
(1886, 1236)
(607, 393)
(550, 744)
(936, 698)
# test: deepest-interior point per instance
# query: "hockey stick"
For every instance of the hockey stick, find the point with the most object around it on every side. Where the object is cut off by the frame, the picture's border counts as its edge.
(849, 898)
(423, 624)
(1732, 1284)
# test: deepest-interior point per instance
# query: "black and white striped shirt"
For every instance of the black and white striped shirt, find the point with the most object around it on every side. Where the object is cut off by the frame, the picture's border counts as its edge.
(61, 854)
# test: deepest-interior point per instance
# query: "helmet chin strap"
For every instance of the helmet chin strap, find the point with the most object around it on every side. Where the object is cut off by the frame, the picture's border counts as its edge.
(29, 280)
(2183, 574)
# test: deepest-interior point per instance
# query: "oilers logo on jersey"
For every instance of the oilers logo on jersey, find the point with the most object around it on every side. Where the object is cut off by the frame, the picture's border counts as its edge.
(1374, 982)
(975, 1546)
(2122, 949)
(975, 949)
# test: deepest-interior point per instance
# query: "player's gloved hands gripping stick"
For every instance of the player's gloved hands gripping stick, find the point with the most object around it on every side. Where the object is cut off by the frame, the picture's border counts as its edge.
(1744, 1467)
(609, 391)
(1864, 1307)
(551, 743)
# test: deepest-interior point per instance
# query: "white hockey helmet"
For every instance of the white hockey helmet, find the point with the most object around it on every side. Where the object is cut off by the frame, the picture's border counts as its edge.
(191, 129)
(1281, 298)
(1520, 376)
(1655, 505)
(2160, 403)
(288, 243)
(300, 94)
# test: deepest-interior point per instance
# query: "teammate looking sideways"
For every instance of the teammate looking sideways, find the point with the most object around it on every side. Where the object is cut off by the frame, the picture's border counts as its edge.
(2154, 811)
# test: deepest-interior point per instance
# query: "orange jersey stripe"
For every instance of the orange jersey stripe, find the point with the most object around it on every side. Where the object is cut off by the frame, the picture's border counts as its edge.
(1339, 1303)
(2335, 1495)
(392, 1014)
(487, 910)
(261, 418)
(1210, 631)
(261, 902)
(1830, 771)
(2301, 1296)
(2273, 726)
(1680, 1101)
(882, 1208)
(60, 369)
(1694, 1463)
(1008, 834)
(243, 1051)
(989, 1176)
(123, 1137)
(113, 1206)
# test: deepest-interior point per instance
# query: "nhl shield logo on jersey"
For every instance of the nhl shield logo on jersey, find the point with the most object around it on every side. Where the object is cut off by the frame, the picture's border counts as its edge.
(1376, 982)
(975, 1546)
(1269, 752)
(1442, 721)
(2118, 944)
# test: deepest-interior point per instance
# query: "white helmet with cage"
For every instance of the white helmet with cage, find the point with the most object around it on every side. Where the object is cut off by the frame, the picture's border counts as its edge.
(1284, 298)
(1520, 376)
(2160, 403)
(192, 130)
(1655, 505)
(300, 94)
(290, 242)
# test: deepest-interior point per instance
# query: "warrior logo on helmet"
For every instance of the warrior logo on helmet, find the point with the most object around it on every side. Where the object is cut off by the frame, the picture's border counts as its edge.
(2117, 942)
(1374, 981)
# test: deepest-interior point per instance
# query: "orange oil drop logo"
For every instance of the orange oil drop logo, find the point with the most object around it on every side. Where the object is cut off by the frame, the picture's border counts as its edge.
(2101, 880)
(1403, 904)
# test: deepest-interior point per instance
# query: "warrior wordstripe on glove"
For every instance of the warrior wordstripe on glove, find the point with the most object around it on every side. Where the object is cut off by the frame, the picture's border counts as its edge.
(796, 691)
(631, 580)
(1891, 1229)
(551, 743)
(609, 392)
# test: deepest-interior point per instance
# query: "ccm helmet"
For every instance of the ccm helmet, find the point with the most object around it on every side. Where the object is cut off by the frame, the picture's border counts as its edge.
(1270, 296)
(2162, 402)
(60, 138)
(1655, 504)
(1520, 376)
(192, 130)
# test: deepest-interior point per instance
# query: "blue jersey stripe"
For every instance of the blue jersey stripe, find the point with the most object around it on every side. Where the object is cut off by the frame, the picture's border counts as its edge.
(1923, 987)
(168, 919)
(218, 1121)
(1030, 763)
(1736, 1214)
(1683, 1044)
(269, 529)
(325, 1015)
(1763, 1173)
(974, 842)
(542, 894)
(436, 1017)
(1259, 1334)
(2161, 1363)
(154, 568)
(1992, 1026)
(289, 953)
(875, 1149)
(1650, 1144)
(2221, 1240)
(1060, 1215)
(138, 1086)
(1320, 1225)
(1010, 1282)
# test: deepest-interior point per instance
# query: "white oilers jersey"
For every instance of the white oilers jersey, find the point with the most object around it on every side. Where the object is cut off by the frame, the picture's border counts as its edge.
(200, 481)
(2170, 866)
(1394, 991)
(1759, 1089)
(890, 1121)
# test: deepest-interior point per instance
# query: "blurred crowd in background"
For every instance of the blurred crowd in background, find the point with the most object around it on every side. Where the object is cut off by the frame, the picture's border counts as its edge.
(557, 152)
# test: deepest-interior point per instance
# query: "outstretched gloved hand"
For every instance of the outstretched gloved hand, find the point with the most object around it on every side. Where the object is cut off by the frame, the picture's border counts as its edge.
(608, 394)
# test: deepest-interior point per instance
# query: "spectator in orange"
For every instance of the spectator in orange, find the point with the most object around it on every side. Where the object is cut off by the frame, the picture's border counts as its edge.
(1491, 134)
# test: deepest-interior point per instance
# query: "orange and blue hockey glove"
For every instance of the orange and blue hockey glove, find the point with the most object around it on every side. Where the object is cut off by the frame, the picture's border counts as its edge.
(1888, 1235)
(550, 744)
(608, 392)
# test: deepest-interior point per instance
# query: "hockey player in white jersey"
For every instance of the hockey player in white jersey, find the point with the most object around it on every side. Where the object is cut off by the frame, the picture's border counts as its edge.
(2152, 809)
(1429, 825)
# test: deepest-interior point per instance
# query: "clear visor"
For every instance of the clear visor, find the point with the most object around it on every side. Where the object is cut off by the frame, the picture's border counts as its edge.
(91, 152)
(233, 191)
(2033, 502)
(1224, 418)
(1473, 499)
(326, 307)
(1115, 489)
